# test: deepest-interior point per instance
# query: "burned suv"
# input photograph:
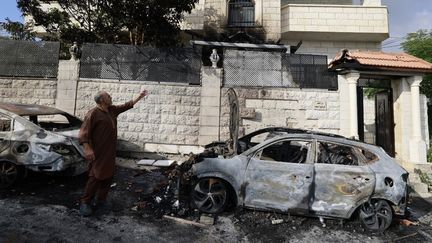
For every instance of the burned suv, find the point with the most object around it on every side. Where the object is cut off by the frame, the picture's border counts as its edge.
(38, 138)
(304, 173)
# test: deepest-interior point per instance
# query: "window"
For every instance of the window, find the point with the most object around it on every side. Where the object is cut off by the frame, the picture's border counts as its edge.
(241, 13)
(292, 151)
(329, 153)
(5, 123)
(55, 122)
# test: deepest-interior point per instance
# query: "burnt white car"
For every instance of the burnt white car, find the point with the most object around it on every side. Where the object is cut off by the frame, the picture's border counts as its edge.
(306, 174)
(38, 138)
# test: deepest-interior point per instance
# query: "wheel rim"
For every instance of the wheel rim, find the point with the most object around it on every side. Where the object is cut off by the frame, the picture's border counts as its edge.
(8, 174)
(209, 195)
(376, 215)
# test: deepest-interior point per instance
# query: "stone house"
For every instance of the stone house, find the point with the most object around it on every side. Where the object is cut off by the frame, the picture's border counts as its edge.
(325, 27)
(187, 117)
(322, 26)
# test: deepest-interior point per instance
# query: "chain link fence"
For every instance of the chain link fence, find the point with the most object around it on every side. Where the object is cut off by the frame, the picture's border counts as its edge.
(29, 59)
(126, 62)
(275, 69)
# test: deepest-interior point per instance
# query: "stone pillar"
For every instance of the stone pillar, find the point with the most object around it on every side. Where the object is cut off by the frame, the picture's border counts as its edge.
(417, 144)
(352, 79)
(67, 82)
(210, 105)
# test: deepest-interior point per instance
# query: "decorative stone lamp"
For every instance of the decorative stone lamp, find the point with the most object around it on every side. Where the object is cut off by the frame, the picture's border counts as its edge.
(214, 58)
(74, 51)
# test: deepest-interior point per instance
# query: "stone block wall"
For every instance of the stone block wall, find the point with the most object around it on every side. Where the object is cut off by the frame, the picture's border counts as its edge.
(28, 91)
(322, 18)
(271, 19)
(331, 48)
(169, 115)
(333, 2)
(424, 119)
(306, 109)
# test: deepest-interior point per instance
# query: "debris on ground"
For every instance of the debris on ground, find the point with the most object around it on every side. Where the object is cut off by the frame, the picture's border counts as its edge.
(277, 221)
(157, 163)
(207, 219)
(407, 222)
(323, 224)
(184, 221)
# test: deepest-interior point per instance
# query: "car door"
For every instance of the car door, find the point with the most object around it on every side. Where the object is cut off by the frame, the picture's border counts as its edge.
(342, 179)
(5, 131)
(279, 176)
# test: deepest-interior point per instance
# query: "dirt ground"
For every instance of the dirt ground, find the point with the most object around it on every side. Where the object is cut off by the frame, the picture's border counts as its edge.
(45, 209)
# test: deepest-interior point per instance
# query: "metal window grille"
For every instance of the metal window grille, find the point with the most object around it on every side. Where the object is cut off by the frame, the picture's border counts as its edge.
(241, 13)
(29, 59)
(126, 62)
(274, 69)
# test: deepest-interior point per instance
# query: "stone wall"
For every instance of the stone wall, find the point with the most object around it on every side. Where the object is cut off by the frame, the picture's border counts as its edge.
(424, 119)
(296, 108)
(332, 2)
(169, 115)
(331, 48)
(28, 91)
(271, 19)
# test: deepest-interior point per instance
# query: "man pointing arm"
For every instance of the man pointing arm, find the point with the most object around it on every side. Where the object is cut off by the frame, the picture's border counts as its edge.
(98, 134)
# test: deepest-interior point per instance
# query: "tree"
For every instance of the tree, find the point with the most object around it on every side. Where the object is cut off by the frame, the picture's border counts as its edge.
(154, 22)
(419, 44)
(18, 30)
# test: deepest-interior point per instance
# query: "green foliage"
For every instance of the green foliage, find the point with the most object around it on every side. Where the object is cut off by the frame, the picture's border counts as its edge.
(137, 22)
(17, 30)
(429, 154)
(424, 178)
(371, 92)
(419, 44)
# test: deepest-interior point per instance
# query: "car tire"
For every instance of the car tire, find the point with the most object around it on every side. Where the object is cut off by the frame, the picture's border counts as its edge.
(376, 215)
(210, 195)
(9, 174)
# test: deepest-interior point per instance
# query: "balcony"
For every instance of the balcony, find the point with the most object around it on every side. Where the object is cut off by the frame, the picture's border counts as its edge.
(334, 22)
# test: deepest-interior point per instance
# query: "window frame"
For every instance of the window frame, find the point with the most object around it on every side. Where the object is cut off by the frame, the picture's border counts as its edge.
(309, 155)
(235, 14)
(361, 159)
(12, 121)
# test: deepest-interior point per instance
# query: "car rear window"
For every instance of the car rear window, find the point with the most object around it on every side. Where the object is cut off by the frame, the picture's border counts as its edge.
(332, 153)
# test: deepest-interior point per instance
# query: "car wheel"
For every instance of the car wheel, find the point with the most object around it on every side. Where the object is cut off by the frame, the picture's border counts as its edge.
(210, 195)
(9, 174)
(376, 215)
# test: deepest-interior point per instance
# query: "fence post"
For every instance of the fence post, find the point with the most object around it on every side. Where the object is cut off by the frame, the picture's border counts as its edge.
(210, 105)
(67, 82)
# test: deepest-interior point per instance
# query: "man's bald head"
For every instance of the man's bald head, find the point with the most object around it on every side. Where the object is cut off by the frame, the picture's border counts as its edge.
(102, 97)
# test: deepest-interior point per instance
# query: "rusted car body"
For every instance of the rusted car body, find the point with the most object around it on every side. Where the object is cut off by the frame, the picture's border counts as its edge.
(306, 173)
(38, 138)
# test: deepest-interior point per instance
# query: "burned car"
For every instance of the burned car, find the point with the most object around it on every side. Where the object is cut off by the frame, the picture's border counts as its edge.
(305, 174)
(228, 148)
(38, 138)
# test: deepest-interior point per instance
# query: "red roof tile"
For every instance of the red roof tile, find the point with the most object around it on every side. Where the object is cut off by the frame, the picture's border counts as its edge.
(381, 59)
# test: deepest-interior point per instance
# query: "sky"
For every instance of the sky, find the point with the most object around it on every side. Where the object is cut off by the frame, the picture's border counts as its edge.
(405, 16)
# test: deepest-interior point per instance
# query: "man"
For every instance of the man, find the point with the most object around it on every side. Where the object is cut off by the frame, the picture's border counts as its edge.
(98, 135)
